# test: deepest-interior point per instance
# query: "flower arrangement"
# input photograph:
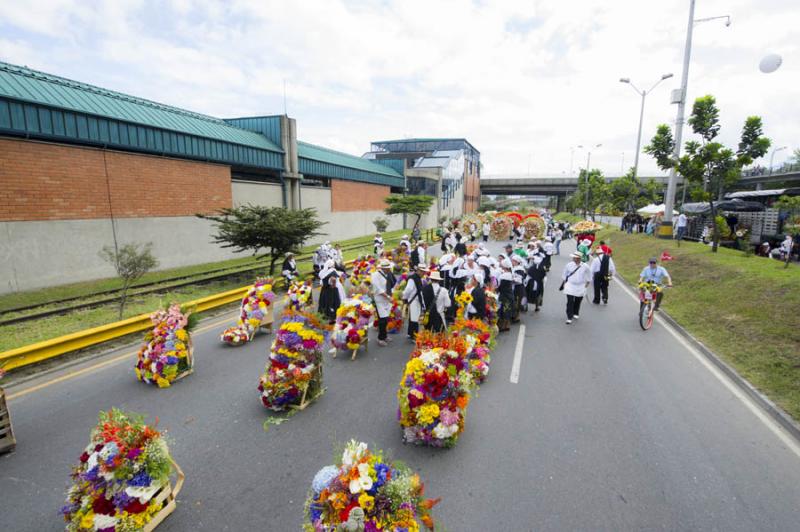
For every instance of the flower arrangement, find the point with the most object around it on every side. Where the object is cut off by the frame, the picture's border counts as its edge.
(126, 464)
(479, 338)
(492, 306)
(256, 310)
(352, 322)
(167, 353)
(401, 259)
(501, 228)
(294, 369)
(365, 491)
(463, 301)
(299, 295)
(534, 226)
(586, 226)
(435, 391)
(363, 268)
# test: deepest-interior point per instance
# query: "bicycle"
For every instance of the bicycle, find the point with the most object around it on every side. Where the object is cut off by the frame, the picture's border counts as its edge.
(648, 294)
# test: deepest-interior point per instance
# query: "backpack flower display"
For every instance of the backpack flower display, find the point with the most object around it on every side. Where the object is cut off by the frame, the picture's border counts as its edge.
(122, 480)
(366, 491)
(352, 324)
(299, 295)
(479, 339)
(167, 354)
(255, 312)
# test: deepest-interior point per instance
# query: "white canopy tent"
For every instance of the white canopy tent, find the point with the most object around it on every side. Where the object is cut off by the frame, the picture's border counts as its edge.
(654, 209)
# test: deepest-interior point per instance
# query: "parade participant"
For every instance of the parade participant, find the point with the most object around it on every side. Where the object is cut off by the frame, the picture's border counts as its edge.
(382, 283)
(585, 248)
(603, 270)
(508, 250)
(377, 245)
(476, 309)
(445, 236)
(405, 243)
(418, 255)
(289, 269)
(337, 256)
(574, 282)
(319, 259)
(329, 296)
(473, 231)
(505, 291)
(535, 282)
(485, 263)
(415, 234)
(460, 248)
(486, 229)
(607, 250)
(451, 241)
(436, 301)
(558, 235)
(412, 296)
(445, 266)
(518, 272)
(520, 233)
(549, 249)
(653, 273)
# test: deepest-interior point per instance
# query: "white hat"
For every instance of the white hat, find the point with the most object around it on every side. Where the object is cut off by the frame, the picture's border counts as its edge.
(385, 264)
(506, 264)
(576, 255)
(599, 251)
(435, 276)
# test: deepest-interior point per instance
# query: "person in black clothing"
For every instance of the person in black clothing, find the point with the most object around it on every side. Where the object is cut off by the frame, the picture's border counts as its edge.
(535, 287)
(478, 305)
(506, 296)
(602, 268)
(289, 269)
(414, 257)
(431, 294)
(329, 299)
(461, 248)
(413, 295)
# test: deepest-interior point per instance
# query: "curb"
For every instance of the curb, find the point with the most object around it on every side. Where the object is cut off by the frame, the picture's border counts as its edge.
(775, 412)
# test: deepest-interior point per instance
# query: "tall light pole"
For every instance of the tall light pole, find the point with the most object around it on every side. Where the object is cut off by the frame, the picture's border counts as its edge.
(643, 94)
(665, 231)
(772, 157)
(588, 163)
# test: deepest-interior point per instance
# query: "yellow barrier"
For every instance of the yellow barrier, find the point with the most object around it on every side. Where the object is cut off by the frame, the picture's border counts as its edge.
(30, 354)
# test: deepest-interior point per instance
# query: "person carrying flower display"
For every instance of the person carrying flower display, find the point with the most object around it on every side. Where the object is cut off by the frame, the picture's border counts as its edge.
(537, 273)
(506, 294)
(436, 301)
(256, 311)
(477, 307)
(382, 283)
(377, 244)
(412, 296)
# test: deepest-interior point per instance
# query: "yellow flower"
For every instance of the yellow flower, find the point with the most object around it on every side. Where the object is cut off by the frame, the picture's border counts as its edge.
(427, 413)
(366, 502)
(164, 383)
(87, 521)
(181, 335)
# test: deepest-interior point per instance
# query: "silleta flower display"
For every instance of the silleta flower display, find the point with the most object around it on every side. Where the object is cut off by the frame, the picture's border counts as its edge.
(294, 373)
(122, 480)
(479, 338)
(299, 295)
(367, 492)
(167, 353)
(435, 390)
(363, 268)
(352, 323)
(256, 311)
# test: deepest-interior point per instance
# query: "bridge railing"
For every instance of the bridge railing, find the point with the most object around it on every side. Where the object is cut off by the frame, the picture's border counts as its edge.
(763, 171)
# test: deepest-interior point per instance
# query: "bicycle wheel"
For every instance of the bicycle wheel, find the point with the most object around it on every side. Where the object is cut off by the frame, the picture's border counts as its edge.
(646, 315)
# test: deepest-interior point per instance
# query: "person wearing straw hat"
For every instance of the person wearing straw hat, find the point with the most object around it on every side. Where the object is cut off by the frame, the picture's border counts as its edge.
(329, 296)
(574, 282)
(382, 283)
(603, 270)
(436, 301)
(412, 296)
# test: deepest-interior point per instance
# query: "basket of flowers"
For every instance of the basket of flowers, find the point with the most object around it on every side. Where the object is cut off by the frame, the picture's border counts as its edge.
(352, 324)
(167, 355)
(363, 268)
(255, 313)
(501, 228)
(479, 338)
(366, 491)
(293, 376)
(299, 295)
(434, 391)
(534, 225)
(122, 480)
(7, 441)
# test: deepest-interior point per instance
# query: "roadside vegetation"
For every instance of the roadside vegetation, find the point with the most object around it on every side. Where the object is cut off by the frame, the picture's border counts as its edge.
(743, 308)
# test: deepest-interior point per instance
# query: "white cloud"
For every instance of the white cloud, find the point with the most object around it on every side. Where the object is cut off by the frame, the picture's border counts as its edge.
(521, 80)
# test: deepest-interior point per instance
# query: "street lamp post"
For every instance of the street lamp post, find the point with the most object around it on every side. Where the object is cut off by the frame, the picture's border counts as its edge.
(772, 157)
(665, 231)
(643, 94)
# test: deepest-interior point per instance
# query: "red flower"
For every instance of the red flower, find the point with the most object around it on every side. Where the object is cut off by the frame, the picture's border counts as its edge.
(85, 457)
(135, 507)
(344, 515)
(101, 505)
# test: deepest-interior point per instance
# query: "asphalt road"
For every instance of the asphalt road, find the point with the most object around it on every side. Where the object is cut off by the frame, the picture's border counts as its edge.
(608, 428)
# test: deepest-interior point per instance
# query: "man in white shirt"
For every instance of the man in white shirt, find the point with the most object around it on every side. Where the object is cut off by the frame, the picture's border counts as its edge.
(412, 295)
(680, 225)
(575, 280)
(382, 284)
(603, 270)
(486, 228)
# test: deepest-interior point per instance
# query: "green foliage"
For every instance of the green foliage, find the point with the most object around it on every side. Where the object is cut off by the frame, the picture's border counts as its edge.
(628, 193)
(705, 118)
(788, 203)
(255, 227)
(661, 147)
(417, 205)
(131, 262)
(381, 224)
(598, 191)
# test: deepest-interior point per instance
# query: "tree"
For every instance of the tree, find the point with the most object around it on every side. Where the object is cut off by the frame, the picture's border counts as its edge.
(598, 191)
(417, 205)
(131, 262)
(255, 227)
(708, 166)
(380, 224)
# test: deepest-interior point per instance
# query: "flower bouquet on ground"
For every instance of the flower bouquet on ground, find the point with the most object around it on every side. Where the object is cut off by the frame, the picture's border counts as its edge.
(501, 228)
(352, 323)
(435, 391)
(293, 377)
(122, 481)
(167, 353)
(256, 312)
(367, 492)
(480, 341)
(299, 295)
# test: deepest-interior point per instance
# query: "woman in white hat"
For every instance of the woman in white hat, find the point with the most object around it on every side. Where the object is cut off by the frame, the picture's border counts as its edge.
(574, 282)
(382, 284)
(436, 301)
(329, 296)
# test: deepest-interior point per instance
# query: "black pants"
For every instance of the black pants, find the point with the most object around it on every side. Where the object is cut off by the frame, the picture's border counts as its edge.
(382, 323)
(573, 306)
(413, 328)
(600, 288)
(485, 238)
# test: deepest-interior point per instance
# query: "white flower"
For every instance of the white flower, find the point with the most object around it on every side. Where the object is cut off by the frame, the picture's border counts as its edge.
(102, 521)
(144, 494)
(429, 357)
(363, 482)
(91, 463)
(445, 431)
(353, 453)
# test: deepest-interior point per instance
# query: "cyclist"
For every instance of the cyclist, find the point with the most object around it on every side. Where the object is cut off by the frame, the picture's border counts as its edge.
(653, 273)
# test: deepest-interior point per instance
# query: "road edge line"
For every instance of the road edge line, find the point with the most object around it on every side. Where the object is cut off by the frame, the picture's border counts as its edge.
(774, 411)
(515, 368)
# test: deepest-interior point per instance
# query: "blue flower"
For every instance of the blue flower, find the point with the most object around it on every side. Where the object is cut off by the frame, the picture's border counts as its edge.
(141, 479)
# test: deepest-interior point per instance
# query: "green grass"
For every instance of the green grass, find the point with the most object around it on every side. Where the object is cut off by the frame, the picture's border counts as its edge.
(567, 217)
(87, 288)
(20, 334)
(744, 308)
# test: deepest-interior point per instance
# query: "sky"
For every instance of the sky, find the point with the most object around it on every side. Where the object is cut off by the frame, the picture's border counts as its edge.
(524, 81)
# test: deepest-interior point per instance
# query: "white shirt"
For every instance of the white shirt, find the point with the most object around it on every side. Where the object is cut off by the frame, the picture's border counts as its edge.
(579, 276)
(486, 229)
(383, 304)
(442, 298)
(682, 220)
(415, 302)
(549, 248)
(595, 266)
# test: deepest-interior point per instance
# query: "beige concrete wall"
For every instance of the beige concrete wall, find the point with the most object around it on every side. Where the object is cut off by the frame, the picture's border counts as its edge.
(268, 194)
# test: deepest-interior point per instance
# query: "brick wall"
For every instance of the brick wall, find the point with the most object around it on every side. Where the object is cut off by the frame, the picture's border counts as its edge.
(43, 181)
(354, 196)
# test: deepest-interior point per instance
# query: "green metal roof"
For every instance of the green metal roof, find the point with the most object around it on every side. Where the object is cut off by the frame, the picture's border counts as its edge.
(316, 160)
(27, 85)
